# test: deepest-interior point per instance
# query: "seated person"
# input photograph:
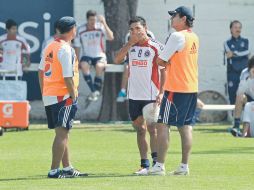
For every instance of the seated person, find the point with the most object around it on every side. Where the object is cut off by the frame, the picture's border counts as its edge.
(248, 120)
(245, 92)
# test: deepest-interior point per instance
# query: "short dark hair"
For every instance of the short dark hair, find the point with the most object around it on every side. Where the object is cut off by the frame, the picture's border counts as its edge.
(189, 21)
(234, 22)
(251, 63)
(10, 23)
(139, 19)
(90, 13)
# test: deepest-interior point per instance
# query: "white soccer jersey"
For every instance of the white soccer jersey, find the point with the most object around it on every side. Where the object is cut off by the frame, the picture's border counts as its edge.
(246, 86)
(13, 48)
(248, 116)
(91, 42)
(144, 76)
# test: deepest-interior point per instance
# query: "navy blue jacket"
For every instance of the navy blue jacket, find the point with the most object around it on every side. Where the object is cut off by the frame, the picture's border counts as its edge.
(240, 48)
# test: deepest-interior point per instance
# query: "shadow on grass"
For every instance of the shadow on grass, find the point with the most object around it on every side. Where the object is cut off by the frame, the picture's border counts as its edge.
(234, 150)
(211, 130)
(90, 175)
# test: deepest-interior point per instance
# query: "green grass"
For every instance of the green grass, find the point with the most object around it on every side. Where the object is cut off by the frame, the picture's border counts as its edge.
(109, 153)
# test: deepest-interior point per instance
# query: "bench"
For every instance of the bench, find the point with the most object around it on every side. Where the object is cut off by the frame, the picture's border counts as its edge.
(218, 107)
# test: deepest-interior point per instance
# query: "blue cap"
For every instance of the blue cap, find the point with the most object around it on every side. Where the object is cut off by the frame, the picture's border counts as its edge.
(185, 11)
(65, 24)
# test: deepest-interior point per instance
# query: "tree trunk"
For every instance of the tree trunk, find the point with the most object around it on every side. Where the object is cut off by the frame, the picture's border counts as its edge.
(117, 14)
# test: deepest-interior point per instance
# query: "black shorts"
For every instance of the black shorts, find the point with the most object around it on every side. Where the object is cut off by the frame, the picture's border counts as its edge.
(136, 107)
(61, 114)
(177, 108)
(93, 60)
(249, 98)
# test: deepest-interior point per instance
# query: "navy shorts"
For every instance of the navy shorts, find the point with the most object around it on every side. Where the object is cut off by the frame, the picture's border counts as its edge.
(61, 114)
(177, 108)
(136, 107)
(233, 80)
(93, 60)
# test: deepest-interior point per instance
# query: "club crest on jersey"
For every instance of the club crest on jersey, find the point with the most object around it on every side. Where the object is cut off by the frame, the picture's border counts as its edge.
(47, 70)
(97, 35)
(147, 53)
(17, 46)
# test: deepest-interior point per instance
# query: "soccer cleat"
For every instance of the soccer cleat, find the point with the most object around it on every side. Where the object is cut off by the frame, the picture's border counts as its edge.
(121, 96)
(180, 171)
(74, 173)
(59, 174)
(157, 170)
(142, 171)
(235, 132)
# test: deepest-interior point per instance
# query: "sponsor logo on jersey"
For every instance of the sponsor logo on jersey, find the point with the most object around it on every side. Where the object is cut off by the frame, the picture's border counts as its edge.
(193, 48)
(133, 50)
(139, 63)
(147, 53)
(47, 70)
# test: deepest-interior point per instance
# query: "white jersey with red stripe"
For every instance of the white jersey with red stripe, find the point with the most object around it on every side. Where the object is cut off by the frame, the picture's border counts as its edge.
(144, 75)
(91, 42)
(12, 50)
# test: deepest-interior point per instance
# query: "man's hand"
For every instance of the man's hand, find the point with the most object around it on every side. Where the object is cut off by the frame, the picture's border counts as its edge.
(229, 54)
(101, 19)
(159, 98)
(134, 38)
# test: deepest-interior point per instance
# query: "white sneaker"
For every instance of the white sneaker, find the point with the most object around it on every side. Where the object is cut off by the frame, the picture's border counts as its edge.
(180, 171)
(157, 170)
(142, 171)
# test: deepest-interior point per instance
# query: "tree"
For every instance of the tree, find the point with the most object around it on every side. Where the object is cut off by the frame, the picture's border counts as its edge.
(117, 13)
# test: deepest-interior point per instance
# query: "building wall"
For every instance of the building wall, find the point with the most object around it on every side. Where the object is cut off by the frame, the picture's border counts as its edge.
(211, 24)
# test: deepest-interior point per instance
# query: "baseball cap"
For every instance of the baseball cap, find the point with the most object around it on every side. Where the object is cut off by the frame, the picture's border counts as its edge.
(65, 24)
(185, 11)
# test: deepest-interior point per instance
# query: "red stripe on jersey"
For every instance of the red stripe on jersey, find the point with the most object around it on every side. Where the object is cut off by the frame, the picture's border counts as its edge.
(68, 102)
(171, 96)
(155, 72)
(60, 98)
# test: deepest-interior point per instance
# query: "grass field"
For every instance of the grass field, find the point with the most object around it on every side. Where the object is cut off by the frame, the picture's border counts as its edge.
(108, 152)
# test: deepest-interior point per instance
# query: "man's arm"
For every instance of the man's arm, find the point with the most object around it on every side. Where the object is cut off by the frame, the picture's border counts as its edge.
(109, 33)
(121, 54)
(70, 86)
(174, 43)
(244, 52)
(40, 76)
(77, 50)
(162, 81)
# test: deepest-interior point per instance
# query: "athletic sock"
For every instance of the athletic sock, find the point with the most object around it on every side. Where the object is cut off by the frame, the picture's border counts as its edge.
(154, 157)
(54, 171)
(67, 168)
(123, 90)
(145, 163)
(237, 123)
(97, 83)
(184, 166)
(89, 81)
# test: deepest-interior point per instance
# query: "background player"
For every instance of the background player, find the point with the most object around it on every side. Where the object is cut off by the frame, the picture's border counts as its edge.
(89, 46)
(14, 50)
